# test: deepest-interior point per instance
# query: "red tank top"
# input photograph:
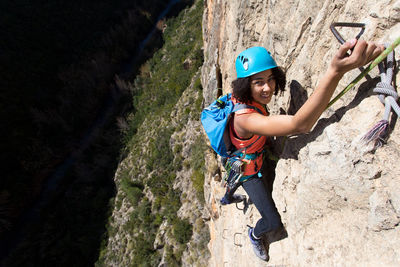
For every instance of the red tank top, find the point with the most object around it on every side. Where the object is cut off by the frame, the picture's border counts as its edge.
(255, 165)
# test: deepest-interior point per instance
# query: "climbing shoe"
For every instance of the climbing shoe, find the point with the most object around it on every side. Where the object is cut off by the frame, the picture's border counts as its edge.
(258, 246)
(232, 199)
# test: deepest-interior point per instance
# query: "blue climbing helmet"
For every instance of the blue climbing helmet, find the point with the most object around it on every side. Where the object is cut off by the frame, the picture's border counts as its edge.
(252, 61)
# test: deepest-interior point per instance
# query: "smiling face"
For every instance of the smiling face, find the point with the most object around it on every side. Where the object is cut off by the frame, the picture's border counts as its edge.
(263, 86)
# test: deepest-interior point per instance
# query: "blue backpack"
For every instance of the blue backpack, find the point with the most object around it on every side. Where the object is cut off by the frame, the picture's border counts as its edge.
(215, 119)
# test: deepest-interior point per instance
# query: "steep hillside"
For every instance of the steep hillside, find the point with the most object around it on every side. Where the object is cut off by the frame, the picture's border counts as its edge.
(339, 199)
(158, 213)
(62, 67)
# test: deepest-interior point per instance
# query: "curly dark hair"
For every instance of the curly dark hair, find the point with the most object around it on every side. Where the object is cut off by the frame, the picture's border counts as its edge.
(241, 87)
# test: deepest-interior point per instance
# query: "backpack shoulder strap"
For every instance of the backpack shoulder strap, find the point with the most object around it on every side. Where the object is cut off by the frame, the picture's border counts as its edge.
(241, 106)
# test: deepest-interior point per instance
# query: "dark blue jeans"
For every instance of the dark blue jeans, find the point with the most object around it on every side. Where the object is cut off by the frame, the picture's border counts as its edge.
(262, 199)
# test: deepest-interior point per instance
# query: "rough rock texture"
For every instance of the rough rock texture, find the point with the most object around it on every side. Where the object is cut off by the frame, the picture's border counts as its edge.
(339, 200)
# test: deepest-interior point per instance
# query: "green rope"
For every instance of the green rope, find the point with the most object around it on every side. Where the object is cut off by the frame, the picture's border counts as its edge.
(377, 60)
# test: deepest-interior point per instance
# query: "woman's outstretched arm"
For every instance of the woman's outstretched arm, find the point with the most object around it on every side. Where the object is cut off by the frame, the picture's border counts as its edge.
(308, 114)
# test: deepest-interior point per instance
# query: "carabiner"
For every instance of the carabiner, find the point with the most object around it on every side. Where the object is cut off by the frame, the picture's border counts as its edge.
(346, 24)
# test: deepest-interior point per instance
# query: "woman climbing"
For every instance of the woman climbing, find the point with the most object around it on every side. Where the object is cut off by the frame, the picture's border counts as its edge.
(258, 78)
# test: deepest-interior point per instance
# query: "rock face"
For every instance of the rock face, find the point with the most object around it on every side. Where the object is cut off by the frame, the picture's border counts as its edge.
(339, 199)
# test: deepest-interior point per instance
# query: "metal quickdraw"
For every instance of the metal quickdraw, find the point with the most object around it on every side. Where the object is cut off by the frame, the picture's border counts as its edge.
(233, 169)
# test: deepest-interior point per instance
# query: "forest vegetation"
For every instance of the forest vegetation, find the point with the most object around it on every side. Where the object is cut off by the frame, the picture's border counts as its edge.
(147, 181)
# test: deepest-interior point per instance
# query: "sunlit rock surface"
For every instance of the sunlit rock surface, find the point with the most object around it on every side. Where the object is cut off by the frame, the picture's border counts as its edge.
(339, 199)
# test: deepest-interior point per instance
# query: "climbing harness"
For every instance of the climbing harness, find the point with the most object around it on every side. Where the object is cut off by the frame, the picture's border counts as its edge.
(374, 63)
(234, 178)
(388, 97)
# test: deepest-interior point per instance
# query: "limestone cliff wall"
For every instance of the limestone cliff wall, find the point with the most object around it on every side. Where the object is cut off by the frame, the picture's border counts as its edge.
(339, 200)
